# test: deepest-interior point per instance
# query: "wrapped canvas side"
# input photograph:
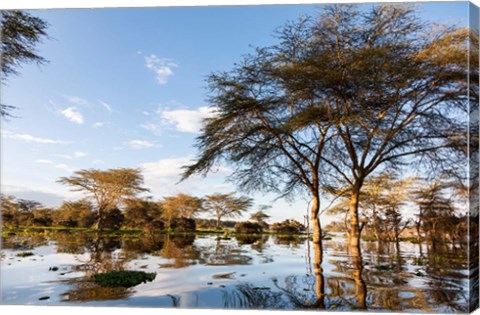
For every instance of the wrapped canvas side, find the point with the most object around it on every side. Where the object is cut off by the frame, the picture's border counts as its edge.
(473, 156)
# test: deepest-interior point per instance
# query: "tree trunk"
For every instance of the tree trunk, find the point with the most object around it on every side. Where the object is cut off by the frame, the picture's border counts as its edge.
(354, 234)
(318, 272)
(317, 252)
(357, 277)
(99, 224)
(317, 228)
(376, 230)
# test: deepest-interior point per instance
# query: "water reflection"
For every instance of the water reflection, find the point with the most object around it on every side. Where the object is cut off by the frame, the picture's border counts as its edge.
(243, 272)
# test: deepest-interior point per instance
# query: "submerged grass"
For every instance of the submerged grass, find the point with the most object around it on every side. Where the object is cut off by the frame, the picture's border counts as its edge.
(125, 279)
(25, 254)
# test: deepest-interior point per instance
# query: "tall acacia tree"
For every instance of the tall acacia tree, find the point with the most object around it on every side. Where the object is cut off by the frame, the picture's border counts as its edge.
(268, 125)
(108, 188)
(343, 95)
(399, 86)
(180, 206)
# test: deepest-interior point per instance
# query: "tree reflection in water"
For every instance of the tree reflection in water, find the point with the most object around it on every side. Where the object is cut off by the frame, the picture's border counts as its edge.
(380, 276)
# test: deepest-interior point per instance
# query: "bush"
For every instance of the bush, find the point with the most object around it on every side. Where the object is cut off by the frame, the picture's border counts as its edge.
(125, 279)
(248, 228)
(183, 225)
(113, 219)
(288, 227)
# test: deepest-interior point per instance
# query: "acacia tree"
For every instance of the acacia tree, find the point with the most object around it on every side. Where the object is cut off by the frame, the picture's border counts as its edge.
(261, 215)
(107, 188)
(399, 87)
(180, 206)
(268, 126)
(342, 96)
(226, 205)
(20, 34)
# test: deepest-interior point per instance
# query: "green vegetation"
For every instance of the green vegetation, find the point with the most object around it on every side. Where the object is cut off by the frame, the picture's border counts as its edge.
(125, 279)
(248, 228)
(25, 254)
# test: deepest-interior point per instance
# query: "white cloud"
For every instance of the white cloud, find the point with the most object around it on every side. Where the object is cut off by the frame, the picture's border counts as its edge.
(161, 66)
(165, 168)
(72, 114)
(141, 144)
(106, 106)
(79, 154)
(64, 167)
(98, 124)
(42, 161)
(187, 120)
(31, 139)
(98, 162)
(78, 101)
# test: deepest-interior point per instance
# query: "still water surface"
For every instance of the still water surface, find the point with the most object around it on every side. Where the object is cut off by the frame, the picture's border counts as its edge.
(208, 271)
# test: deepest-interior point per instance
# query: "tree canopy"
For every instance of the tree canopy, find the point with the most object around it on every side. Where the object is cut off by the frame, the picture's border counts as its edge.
(108, 188)
(226, 205)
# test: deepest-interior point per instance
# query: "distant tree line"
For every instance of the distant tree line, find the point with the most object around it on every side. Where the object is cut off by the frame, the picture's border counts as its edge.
(113, 202)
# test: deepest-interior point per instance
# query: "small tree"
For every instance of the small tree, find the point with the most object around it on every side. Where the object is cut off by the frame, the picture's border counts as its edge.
(9, 210)
(107, 188)
(226, 206)
(25, 210)
(261, 216)
(143, 213)
(180, 206)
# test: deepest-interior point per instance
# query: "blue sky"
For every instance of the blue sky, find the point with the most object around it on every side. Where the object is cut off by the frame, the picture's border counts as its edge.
(126, 88)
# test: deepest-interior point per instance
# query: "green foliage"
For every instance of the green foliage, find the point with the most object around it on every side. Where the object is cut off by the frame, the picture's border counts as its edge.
(125, 279)
(25, 254)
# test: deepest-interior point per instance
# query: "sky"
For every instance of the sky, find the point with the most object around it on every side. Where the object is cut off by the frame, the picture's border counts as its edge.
(126, 88)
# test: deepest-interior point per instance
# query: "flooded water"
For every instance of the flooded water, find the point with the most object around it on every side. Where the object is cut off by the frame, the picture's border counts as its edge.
(207, 271)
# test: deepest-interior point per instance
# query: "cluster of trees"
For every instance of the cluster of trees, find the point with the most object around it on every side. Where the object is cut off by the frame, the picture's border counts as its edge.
(389, 205)
(343, 97)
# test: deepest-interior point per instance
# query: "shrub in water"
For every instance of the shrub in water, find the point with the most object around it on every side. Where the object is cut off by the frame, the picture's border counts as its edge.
(248, 228)
(124, 279)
